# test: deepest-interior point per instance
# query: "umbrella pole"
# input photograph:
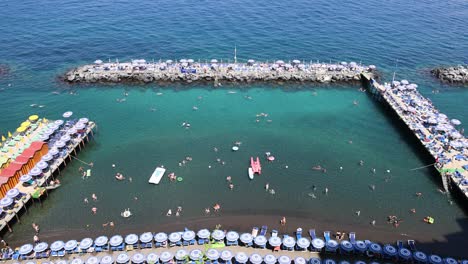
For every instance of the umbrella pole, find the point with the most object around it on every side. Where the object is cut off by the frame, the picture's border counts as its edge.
(17, 218)
(9, 228)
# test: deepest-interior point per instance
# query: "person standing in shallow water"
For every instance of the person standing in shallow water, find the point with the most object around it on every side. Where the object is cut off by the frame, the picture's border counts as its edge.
(283, 221)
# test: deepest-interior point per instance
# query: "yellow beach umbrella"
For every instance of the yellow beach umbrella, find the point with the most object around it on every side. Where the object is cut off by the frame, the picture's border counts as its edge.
(25, 124)
(21, 129)
(3, 138)
(9, 134)
(33, 118)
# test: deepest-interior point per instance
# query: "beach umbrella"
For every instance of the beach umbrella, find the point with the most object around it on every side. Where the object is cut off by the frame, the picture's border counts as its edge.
(72, 131)
(67, 114)
(169, 61)
(456, 134)
(86, 243)
(196, 254)
(44, 137)
(98, 61)
(59, 144)
(57, 245)
(404, 82)
(465, 261)
(53, 152)
(318, 243)
(165, 256)
(48, 132)
(241, 257)
(203, 233)
(315, 261)
(450, 261)
(182, 60)
(404, 253)
(260, 240)
(42, 165)
(296, 61)
(344, 262)
(122, 258)
(80, 126)
(83, 120)
(217, 234)
(160, 237)
(184, 64)
(375, 248)
(58, 122)
(101, 241)
(212, 254)
(274, 241)
(284, 260)
(107, 259)
(332, 245)
(246, 238)
(146, 237)
(360, 246)
(152, 258)
(41, 247)
(6, 201)
(131, 239)
(360, 262)
(35, 171)
(65, 138)
(92, 260)
(374, 262)
(255, 258)
(226, 255)
(25, 178)
(116, 240)
(188, 235)
(289, 242)
(250, 61)
(346, 245)
(181, 254)
(303, 242)
(390, 250)
(25, 249)
(455, 122)
(434, 259)
(329, 261)
(47, 157)
(269, 259)
(71, 245)
(232, 236)
(138, 258)
(190, 61)
(12, 193)
(77, 261)
(279, 62)
(174, 237)
(214, 61)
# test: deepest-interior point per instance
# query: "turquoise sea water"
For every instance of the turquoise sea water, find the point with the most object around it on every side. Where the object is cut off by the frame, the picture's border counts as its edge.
(310, 125)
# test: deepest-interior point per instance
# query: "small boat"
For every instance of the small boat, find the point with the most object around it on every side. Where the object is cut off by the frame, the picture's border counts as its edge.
(251, 173)
(126, 213)
(157, 175)
(255, 165)
(51, 187)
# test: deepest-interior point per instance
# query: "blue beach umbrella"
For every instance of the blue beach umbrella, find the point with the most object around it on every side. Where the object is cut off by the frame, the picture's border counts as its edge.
(217, 234)
(25, 178)
(434, 259)
(255, 258)
(58, 122)
(315, 260)
(232, 236)
(246, 238)
(359, 262)
(77, 261)
(35, 171)
(196, 254)
(165, 256)
(83, 120)
(284, 260)
(12, 193)
(47, 157)
(375, 248)
(53, 151)
(465, 261)
(116, 241)
(404, 253)
(131, 239)
(79, 126)
(59, 144)
(344, 262)
(360, 246)
(41, 247)
(69, 113)
(374, 262)
(203, 233)
(122, 258)
(226, 255)
(289, 242)
(346, 246)
(188, 235)
(420, 256)
(212, 254)
(25, 249)
(390, 250)
(175, 237)
(65, 138)
(241, 257)
(138, 258)
(146, 237)
(274, 241)
(44, 137)
(57, 245)
(5, 202)
(300, 260)
(269, 259)
(450, 261)
(72, 131)
(101, 241)
(331, 245)
(71, 245)
(160, 237)
(53, 126)
(260, 240)
(329, 261)
(303, 242)
(92, 260)
(318, 243)
(107, 259)
(152, 258)
(42, 165)
(86, 243)
(181, 254)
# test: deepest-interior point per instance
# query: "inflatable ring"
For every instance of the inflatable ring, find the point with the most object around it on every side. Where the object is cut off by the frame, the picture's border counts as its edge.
(179, 179)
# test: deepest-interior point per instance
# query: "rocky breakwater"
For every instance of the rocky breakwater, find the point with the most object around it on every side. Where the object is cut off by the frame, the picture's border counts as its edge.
(454, 74)
(188, 71)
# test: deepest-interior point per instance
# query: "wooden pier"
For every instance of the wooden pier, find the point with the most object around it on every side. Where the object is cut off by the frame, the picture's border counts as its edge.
(39, 188)
(452, 163)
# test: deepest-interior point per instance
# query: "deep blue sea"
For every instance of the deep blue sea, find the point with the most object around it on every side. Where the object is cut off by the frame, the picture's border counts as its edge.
(39, 40)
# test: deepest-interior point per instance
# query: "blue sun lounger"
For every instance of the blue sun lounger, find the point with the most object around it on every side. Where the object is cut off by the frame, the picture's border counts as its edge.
(399, 244)
(326, 235)
(312, 234)
(298, 233)
(264, 231)
(352, 237)
(412, 245)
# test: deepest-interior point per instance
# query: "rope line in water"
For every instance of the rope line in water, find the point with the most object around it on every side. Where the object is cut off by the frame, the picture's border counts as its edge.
(423, 166)
(80, 160)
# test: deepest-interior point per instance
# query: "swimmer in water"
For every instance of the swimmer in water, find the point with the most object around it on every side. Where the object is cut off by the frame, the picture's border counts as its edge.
(94, 197)
(85, 200)
(372, 187)
(267, 186)
(169, 212)
(361, 162)
(228, 178)
(207, 210)
(314, 187)
(326, 190)
(231, 186)
(373, 170)
(358, 213)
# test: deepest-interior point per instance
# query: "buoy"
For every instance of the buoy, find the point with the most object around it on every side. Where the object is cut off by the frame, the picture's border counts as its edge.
(179, 179)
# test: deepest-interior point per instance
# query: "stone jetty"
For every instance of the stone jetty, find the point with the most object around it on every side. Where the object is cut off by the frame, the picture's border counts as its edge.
(188, 71)
(453, 74)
